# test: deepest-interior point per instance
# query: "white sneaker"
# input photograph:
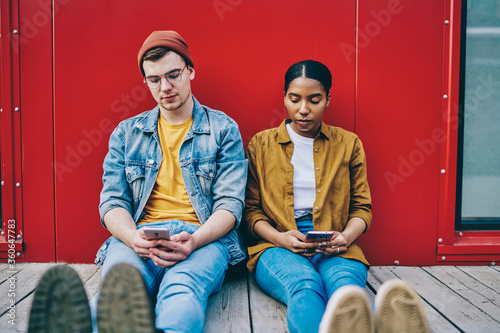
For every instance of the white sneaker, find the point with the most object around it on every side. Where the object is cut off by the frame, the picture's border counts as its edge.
(398, 308)
(348, 311)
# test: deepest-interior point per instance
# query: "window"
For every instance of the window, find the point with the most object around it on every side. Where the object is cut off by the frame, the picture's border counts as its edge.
(478, 183)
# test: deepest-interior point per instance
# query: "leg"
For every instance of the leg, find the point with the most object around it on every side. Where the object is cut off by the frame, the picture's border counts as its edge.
(337, 272)
(184, 290)
(292, 279)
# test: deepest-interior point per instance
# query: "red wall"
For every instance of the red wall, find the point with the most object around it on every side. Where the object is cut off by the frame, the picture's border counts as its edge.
(80, 78)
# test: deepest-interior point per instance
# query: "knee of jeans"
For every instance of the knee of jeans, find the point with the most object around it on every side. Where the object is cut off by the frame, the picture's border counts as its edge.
(307, 282)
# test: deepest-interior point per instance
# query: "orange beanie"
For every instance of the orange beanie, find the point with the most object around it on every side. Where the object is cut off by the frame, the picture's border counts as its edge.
(166, 38)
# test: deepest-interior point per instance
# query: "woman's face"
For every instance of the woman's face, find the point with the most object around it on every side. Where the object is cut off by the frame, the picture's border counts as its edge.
(306, 101)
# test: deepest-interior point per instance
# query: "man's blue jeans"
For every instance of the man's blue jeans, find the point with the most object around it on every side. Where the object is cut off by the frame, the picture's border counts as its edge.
(303, 286)
(180, 292)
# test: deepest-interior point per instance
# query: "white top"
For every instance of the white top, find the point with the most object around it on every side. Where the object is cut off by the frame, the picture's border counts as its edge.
(304, 182)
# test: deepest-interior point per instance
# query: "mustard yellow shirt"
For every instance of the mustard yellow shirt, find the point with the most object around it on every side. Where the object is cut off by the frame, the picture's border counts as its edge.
(169, 199)
(342, 190)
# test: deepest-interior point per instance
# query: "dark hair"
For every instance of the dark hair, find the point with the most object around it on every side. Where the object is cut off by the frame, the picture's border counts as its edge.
(310, 69)
(155, 54)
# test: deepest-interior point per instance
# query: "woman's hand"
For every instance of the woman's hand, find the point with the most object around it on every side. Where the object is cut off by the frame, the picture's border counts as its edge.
(294, 241)
(336, 246)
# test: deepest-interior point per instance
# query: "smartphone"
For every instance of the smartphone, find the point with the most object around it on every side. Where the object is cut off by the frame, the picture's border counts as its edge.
(156, 233)
(318, 236)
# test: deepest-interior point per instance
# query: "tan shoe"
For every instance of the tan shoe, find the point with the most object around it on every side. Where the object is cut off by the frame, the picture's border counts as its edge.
(348, 311)
(398, 308)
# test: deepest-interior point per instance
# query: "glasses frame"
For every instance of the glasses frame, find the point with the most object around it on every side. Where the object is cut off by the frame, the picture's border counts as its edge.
(165, 76)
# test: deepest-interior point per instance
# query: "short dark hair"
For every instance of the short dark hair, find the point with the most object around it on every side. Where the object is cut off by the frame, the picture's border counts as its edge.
(310, 69)
(155, 54)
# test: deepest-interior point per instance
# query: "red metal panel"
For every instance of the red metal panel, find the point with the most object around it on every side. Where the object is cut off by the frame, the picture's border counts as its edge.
(37, 129)
(398, 107)
(240, 49)
(12, 218)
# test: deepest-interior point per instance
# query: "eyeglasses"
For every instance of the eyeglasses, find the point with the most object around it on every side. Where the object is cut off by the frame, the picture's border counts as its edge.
(173, 77)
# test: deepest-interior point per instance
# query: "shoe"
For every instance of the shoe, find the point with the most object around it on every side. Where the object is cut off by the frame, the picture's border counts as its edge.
(124, 305)
(60, 303)
(398, 308)
(348, 311)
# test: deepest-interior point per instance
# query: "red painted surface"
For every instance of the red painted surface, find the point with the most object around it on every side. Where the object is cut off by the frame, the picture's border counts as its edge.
(389, 92)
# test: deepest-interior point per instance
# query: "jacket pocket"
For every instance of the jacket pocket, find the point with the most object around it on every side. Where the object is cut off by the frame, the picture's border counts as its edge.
(205, 172)
(135, 177)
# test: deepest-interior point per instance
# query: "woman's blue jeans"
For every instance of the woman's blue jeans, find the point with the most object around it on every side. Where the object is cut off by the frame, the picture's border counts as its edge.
(303, 286)
(180, 292)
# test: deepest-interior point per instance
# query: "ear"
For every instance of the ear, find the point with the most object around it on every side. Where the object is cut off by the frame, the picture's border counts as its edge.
(191, 72)
(328, 99)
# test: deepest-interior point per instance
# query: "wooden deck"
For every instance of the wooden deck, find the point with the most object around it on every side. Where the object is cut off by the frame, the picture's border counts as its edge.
(457, 299)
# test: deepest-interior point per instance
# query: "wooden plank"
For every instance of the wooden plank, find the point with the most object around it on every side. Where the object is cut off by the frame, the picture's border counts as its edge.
(227, 311)
(268, 315)
(90, 274)
(437, 323)
(6, 270)
(27, 280)
(451, 305)
(486, 275)
(473, 291)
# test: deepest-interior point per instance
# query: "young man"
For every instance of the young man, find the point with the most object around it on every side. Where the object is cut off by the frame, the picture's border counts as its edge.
(180, 166)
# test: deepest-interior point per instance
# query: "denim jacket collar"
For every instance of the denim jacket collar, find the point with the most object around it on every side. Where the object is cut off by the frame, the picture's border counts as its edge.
(200, 120)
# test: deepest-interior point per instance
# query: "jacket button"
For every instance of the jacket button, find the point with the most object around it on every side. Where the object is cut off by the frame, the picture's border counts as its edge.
(151, 161)
(317, 169)
(316, 150)
(316, 208)
(211, 174)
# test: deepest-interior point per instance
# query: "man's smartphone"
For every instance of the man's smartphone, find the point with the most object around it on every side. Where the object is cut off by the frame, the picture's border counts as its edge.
(318, 236)
(156, 233)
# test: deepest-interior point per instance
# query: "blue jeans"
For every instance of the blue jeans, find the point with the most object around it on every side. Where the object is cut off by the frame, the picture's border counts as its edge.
(304, 286)
(180, 292)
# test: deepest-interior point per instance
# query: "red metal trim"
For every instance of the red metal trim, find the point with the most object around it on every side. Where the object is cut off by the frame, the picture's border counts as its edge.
(12, 218)
(467, 259)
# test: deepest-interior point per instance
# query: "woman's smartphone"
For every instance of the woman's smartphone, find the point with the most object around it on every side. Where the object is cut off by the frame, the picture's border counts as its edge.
(318, 236)
(156, 233)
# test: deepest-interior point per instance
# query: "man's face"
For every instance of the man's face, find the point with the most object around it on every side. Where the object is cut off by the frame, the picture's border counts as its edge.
(170, 97)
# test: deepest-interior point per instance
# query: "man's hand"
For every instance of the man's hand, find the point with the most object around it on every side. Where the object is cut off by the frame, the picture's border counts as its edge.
(167, 253)
(136, 240)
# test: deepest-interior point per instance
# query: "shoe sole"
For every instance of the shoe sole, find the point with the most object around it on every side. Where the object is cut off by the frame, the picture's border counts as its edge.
(348, 311)
(124, 305)
(399, 309)
(60, 303)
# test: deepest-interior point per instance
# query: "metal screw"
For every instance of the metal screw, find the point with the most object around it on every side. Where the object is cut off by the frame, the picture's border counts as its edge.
(18, 184)
(446, 22)
(443, 258)
(493, 263)
(18, 254)
(3, 182)
(3, 233)
(16, 109)
(15, 32)
(396, 262)
(19, 236)
(445, 96)
(443, 171)
(460, 234)
(440, 240)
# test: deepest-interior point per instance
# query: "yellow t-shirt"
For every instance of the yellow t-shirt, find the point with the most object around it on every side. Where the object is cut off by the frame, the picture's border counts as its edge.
(169, 199)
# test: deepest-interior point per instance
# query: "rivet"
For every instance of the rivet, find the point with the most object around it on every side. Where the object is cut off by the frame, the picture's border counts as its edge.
(18, 254)
(440, 240)
(19, 236)
(443, 258)
(15, 32)
(443, 171)
(18, 184)
(16, 109)
(445, 96)
(460, 234)
(3, 182)
(493, 263)
(446, 22)
(3, 233)
(396, 262)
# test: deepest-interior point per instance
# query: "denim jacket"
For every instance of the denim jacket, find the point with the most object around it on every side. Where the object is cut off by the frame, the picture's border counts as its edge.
(212, 163)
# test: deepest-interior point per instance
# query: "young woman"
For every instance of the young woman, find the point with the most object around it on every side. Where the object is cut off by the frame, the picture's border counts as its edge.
(305, 175)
